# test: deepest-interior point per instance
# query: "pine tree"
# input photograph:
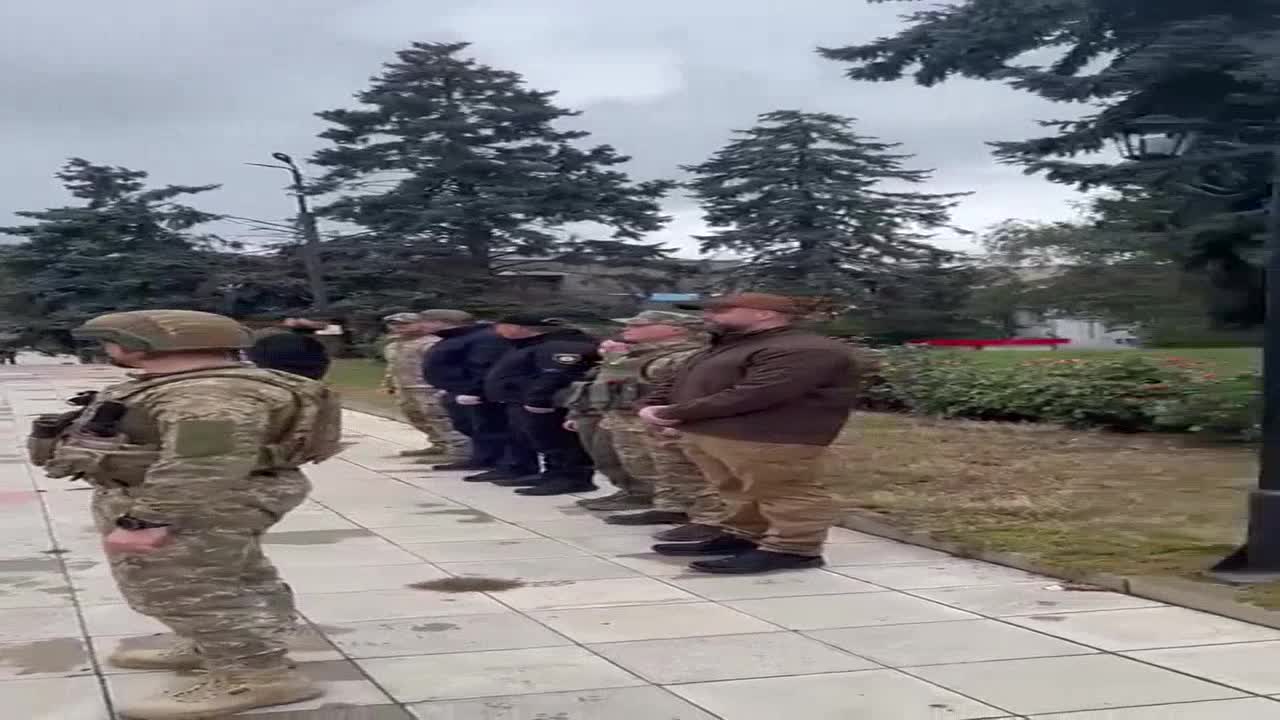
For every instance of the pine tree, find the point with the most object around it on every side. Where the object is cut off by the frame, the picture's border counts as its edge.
(802, 197)
(1217, 64)
(459, 158)
(127, 247)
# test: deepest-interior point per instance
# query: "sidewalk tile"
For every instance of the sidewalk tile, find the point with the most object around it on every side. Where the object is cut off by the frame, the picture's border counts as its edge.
(947, 642)
(430, 636)
(650, 622)
(19, 625)
(1148, 628)
(1254, 709)
(61, 657)
(1253, 667)
(489, 550)
(808, 582)
(729, 657)
(871, 694)
(78, 698)
(462, 676)
(639, 703)
(308, 580)
(1032, 599)
(953, 572)
(329, 608)
(593, 593)
(1085, 682)
(837, 611)
(538, 570)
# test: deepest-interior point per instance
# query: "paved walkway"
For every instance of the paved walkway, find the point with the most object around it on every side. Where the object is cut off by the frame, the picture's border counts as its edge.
(595, 628)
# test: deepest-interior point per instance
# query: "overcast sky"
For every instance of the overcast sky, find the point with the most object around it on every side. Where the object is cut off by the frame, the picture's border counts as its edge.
(190, 90)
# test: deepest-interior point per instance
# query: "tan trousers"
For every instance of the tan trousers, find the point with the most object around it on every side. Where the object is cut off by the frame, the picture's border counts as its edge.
(773, 493)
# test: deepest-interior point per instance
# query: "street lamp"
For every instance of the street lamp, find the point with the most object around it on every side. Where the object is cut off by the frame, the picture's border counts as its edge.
(309, 230)
(1163, 137)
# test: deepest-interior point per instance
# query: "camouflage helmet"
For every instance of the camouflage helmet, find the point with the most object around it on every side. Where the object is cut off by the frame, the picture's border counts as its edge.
(166, 331)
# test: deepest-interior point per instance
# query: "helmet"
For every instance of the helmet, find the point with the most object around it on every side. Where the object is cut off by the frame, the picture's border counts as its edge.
(166, 331)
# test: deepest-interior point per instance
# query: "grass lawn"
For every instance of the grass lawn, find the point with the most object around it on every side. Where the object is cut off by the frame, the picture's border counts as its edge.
(1079, 501)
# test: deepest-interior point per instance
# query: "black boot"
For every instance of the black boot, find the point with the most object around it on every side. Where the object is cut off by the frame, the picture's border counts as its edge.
(559, 486)
(693, 532)
(649, 517)
(722, 545)
(757, 561)
(520, 482)
(489, 476)
(461, 465)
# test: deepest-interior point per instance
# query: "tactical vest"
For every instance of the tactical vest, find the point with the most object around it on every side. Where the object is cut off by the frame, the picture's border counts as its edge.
(314, 435)
(621, 383)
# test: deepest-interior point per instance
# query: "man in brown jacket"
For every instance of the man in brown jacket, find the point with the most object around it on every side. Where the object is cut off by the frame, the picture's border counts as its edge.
(757, 412)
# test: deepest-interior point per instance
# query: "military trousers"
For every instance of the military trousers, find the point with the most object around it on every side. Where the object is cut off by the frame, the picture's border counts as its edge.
(773, 493)
(599, 444)
(425, 410)
(211, 584)
(660, 465)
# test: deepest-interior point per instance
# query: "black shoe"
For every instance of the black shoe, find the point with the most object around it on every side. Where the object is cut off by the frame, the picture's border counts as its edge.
(757, 561)
(722, 545)
(649, 517)
(693, 532)
(488, 476)
(461, 465)
(559, 486)
(520, 482)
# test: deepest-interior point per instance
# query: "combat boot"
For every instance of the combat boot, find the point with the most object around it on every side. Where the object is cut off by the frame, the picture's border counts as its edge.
(589, 502)
(434, 450)
(649, 517)
(621, 501)
(225, 693)
(558, 486)
(693, 532)
(180, 655)
(757, 562)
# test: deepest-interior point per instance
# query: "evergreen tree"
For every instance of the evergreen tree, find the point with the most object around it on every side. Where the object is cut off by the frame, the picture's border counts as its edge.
(462, 159)
(1215, 63)
(127, 247)
(801, 196)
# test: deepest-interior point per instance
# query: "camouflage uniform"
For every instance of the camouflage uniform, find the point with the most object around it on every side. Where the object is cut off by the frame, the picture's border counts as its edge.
(656, 461)
(212, 455)
(420, 403)
(597, 441)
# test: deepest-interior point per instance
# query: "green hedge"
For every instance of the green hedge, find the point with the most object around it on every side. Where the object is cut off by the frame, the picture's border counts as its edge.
(1129, 393)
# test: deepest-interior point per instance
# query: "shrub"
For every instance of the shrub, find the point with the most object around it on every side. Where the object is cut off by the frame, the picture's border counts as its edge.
(1128, 393)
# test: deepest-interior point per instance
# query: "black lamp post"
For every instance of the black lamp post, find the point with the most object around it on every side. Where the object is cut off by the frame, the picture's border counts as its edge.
(1162, 137)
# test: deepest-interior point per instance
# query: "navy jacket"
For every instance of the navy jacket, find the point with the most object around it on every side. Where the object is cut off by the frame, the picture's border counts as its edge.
(536, 369)
(462, 359)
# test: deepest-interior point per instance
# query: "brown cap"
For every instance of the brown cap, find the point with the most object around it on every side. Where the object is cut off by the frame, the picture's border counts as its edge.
(751, 301)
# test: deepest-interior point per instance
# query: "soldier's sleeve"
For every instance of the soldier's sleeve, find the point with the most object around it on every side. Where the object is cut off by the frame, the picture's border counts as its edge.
(210, 442)
(558, 367)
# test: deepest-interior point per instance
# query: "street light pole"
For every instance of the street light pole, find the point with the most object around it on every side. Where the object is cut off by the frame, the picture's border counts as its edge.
(1258, 560)
(309, 230)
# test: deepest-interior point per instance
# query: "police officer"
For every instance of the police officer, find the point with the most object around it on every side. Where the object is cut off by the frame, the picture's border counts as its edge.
(192, 461)
(546, 357)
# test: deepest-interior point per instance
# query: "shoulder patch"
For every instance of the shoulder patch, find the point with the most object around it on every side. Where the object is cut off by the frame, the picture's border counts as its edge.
(567, 358)
(203, 438)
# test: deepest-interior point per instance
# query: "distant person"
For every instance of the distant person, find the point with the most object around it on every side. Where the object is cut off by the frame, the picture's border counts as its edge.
(756, 413)
(295, 350)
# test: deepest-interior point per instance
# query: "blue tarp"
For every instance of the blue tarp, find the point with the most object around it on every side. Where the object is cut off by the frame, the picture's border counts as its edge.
(674, 297)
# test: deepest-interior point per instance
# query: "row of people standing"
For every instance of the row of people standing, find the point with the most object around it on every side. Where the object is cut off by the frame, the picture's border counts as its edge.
(716, 425)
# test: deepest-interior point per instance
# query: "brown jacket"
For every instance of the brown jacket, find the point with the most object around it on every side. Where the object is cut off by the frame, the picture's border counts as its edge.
(786, 386)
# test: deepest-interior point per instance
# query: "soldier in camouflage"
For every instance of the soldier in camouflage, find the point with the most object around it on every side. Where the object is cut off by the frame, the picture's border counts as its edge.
(659, 342)
(421, 404)
(192, 461)
(587, 407)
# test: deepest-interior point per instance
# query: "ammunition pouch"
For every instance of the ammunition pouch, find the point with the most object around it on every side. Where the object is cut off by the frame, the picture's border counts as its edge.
(109, 462)
(46, 433)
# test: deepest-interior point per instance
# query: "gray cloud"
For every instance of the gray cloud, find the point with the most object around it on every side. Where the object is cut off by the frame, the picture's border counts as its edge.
(191, 90)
